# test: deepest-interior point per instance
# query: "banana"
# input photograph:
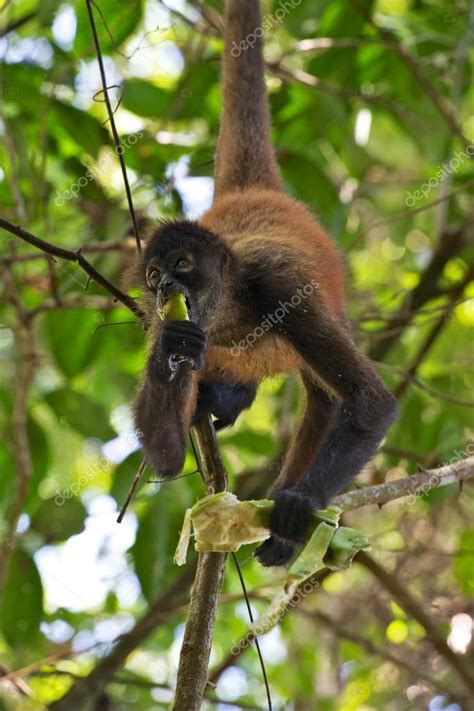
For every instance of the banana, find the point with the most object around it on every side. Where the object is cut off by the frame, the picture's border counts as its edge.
(175, 308)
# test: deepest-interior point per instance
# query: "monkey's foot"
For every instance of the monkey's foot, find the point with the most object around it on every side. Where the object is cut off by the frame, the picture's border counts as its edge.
(291, 515)
(289, 522)
(274, 552)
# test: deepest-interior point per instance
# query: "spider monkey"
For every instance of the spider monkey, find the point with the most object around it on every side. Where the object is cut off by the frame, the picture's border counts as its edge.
(242, 263)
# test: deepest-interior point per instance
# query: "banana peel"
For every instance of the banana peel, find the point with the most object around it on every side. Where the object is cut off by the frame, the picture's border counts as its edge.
(222, 523)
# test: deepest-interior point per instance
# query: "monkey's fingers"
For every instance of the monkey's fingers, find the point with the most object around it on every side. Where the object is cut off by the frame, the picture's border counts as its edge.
(198, 362)
(291, 515)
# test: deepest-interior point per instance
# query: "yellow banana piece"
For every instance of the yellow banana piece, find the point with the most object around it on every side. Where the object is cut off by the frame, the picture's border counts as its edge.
(175, 308)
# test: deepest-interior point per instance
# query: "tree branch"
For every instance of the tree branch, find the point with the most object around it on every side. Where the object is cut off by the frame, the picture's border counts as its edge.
(413, 608)
(434, 333)
(196, 649)
(391, 41)
(127, 245)
(77, 257)
(417, 484)
(414, 670)
(451, 242)
(26, 363)
(85, 692)
(16, 24)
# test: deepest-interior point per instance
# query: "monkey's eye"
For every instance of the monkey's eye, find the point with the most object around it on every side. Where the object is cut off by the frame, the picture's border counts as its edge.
(153, 276)
(184, 265)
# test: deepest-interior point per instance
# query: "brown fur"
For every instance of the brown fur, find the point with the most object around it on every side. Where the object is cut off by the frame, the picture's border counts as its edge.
(253, 216)
(260, 248)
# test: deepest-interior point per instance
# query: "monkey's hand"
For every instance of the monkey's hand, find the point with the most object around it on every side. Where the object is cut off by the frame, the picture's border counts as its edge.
(183, 340)
(289, 523)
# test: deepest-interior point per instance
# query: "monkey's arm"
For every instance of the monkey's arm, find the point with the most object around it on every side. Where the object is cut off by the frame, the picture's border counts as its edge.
(165, 405)
(366, 411)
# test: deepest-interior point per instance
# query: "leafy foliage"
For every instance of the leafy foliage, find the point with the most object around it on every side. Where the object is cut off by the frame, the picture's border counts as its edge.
(378, 154)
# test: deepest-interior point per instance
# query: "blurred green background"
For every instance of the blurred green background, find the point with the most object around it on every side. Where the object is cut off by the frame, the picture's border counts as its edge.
(373, 122)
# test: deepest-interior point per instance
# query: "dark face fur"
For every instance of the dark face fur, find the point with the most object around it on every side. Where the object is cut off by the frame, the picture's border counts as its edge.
(182, 257)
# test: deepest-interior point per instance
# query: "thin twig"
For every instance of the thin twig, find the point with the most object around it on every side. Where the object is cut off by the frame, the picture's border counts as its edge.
(434, 333)
(14, 25)
(118, 145)
(257, 643)
(392, 42)
(450, 243)
(414, 670)
(413, 608)
(410, 379)
(77, 257)
(409, 213)
(90, 248)
(131, 491)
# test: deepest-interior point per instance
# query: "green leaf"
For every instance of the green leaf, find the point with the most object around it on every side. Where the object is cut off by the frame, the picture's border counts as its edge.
(7, 478)
(71, 338)
(255, 442)
(58, 521)
(22, 601)
(145, 99)
(21, 84)
(40, 450)
(83, 128)
(463, 562)
(115, 22)
(79, 412)
(156, 540)
(345, 543)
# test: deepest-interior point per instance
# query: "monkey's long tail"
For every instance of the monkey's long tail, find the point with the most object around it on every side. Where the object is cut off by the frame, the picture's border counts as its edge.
(245, 157)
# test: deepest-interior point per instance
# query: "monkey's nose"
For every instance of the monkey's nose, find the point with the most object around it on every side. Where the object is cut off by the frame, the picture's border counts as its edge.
(166, 283)
(167, 287)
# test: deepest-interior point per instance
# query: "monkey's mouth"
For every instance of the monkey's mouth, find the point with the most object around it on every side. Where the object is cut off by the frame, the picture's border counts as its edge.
(163, 299)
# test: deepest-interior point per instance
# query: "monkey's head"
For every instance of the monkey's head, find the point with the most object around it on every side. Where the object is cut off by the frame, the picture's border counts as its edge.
(183, 257)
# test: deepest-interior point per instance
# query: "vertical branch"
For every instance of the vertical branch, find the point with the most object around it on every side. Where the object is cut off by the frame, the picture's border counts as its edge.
(196, 649)
(26, 360)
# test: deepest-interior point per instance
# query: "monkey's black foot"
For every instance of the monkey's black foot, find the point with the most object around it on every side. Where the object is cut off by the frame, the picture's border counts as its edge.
(291, 515)
(289, 522)
(273, 552)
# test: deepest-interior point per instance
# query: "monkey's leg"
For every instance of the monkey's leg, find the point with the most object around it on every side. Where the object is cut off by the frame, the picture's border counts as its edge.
(367, 410)
(319, 417)
(224, 401)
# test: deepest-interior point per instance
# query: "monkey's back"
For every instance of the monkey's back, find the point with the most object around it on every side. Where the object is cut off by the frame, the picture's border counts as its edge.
(266, 227)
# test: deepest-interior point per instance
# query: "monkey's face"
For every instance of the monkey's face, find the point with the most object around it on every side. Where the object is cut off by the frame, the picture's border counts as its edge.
(182, 258)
